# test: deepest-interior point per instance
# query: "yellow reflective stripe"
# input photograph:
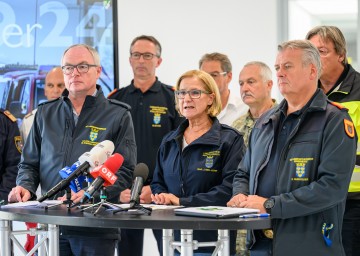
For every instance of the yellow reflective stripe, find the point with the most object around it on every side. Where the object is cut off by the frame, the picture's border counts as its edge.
(354, 112)
(354, 187)
(355, 180)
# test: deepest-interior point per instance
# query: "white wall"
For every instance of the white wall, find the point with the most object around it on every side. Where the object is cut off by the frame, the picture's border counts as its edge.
(186, 29)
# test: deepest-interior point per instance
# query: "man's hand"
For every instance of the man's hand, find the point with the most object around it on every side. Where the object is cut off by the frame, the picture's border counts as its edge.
(254, 201)
(236, 201)
(145, 196)
(165, 198)
(125, 196)
(19, 194)
(75, 197)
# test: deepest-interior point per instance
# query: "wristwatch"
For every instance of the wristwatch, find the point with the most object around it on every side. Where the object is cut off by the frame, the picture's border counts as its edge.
(269, 204)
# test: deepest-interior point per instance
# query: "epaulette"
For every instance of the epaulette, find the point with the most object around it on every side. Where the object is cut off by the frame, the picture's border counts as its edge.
(112, 92)
(29, 114)
(172, 88)
(9, 115)
(120, 103)
(337, 104)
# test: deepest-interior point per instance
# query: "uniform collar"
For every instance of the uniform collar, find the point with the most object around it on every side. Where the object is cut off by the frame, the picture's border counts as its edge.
(210, 137)
(318, 102)
(339, 85)
(154, 88)
(89, 100)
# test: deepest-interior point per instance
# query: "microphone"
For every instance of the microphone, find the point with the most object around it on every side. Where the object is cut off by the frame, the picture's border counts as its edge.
(104, 175)
(141, 172)
(88, 160)
(75, 184)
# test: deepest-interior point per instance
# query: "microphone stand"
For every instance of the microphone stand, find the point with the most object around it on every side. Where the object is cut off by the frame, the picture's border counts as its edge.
(102, 203)
(136, 208)
(67, 201)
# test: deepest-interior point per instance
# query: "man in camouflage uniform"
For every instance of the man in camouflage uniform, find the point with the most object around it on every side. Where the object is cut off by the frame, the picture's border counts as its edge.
(255, 88)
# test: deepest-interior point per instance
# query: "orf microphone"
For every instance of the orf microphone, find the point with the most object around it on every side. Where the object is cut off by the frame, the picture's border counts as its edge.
(141, 172)
(104, 175)
(88, 160)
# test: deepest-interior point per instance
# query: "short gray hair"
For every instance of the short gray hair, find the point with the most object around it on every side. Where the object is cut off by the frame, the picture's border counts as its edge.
(92, 50)
(311, 54)
(265, 71)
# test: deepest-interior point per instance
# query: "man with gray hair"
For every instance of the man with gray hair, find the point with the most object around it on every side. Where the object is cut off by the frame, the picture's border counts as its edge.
(299, 162)
(255, 81)
(63, 130)
(219, 67)
(341, 83)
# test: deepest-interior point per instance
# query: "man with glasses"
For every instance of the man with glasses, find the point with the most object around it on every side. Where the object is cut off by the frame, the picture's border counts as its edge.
(219, 67)
(341, 83)
(154, 115)
(66, 128)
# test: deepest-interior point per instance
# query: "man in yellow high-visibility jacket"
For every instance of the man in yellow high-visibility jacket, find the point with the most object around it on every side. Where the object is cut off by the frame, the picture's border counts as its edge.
(341, 83)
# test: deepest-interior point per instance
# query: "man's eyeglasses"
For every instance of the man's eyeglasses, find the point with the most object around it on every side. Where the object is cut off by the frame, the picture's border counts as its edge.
(81, 68)
(194, 94)
(217, 74)
(146, 55)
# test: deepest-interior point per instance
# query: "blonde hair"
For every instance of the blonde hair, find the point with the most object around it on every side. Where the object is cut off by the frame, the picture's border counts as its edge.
(209, 86)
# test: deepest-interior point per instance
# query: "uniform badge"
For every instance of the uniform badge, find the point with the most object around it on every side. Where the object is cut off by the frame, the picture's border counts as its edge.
(349, 128)
(93, 135)
(209, 162)
(18, 143)
(300, 170)
(157, 118)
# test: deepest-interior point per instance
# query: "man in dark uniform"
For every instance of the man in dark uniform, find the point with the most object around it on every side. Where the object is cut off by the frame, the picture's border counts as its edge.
(299, 163)
(10, 152)
(341, 83)
(154, 115)
(63, 130)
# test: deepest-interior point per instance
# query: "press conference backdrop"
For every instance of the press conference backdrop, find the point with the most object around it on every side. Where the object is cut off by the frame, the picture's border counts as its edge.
(33, 37)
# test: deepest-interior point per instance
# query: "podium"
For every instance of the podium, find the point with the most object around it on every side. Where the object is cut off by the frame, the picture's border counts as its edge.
(164, 219)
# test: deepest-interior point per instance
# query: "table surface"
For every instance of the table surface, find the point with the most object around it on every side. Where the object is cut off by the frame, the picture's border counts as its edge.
(159, 219)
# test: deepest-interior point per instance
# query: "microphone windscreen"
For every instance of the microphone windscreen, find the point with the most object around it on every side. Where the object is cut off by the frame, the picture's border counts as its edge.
(114, 162)
(141, 170)
(106, 146)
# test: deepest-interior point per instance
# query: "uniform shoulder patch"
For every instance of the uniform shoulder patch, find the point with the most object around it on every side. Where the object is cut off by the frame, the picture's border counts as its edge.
(349, 128)
(18, 143)
(112, 93)
(10, 116)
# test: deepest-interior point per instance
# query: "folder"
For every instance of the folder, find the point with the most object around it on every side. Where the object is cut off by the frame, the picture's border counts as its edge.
(217, 212)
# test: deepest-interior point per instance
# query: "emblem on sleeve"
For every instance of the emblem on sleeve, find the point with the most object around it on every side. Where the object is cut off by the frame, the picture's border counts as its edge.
(18, 143)
(349, 128)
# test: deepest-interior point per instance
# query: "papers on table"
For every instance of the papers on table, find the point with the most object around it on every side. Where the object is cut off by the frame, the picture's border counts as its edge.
(218, 212)
(31, 204)
(151, 206)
